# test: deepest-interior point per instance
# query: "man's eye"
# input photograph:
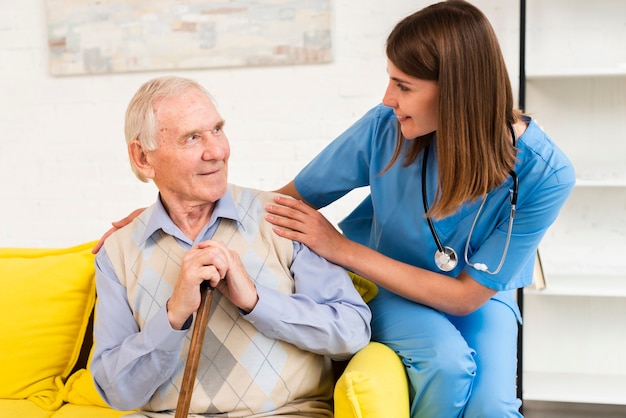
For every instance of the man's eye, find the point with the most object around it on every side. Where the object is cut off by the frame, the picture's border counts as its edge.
(193, 138)
(218, 129)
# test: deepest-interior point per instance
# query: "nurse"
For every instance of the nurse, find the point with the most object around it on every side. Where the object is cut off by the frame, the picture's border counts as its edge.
(463, 188)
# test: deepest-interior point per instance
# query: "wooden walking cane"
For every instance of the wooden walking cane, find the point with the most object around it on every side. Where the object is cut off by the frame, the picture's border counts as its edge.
(195, 348)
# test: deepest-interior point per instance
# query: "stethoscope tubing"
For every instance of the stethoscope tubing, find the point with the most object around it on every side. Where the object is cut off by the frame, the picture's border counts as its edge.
(446, 258)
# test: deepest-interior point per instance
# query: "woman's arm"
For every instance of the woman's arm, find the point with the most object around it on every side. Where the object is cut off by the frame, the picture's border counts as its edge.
(116, 225)
(290, 190)
(295, 220)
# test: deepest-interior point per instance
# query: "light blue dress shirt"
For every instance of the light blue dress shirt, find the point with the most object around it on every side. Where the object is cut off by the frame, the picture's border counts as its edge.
(325, 315)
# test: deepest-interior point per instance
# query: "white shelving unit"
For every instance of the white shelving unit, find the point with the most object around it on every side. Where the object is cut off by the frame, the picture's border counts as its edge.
(575, 329)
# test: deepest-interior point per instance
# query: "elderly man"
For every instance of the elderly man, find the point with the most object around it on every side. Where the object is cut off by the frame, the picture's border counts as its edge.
(280, 312)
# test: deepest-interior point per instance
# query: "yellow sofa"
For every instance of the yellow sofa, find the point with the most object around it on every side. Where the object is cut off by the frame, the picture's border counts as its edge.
(46, 306)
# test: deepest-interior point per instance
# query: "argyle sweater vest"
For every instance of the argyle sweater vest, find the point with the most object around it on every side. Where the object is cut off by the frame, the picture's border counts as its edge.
(241, 372)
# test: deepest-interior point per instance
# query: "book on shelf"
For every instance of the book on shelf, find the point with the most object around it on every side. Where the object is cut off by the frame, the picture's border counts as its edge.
(539, 280)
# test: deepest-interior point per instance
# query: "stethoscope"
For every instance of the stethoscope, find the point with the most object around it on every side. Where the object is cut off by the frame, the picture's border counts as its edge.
(446, 258)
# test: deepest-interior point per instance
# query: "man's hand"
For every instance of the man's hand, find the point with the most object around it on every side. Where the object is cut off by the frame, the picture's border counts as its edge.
(222, 268)
(237, 285)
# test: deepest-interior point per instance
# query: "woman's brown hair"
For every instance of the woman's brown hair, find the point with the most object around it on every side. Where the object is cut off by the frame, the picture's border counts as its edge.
(453, 43)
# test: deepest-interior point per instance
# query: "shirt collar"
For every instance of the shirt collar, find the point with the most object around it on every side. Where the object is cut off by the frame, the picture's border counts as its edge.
(156, 218)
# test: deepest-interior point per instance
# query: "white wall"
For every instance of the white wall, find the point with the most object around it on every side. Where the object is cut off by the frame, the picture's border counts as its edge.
(63, 167)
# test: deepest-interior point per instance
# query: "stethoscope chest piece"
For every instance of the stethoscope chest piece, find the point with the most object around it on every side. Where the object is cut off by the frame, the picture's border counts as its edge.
(446, 260)
(445, 257)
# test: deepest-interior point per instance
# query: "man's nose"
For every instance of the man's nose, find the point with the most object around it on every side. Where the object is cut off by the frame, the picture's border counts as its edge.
(214, 148)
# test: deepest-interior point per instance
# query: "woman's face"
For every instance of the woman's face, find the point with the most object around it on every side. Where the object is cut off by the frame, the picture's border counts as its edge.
(414, 101)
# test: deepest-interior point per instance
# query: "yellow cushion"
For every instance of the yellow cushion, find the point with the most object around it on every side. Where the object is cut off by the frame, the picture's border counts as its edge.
(81, 390)
(46, 300)
(14, 408)
(84, 411)
(366, 289)
(373, 385)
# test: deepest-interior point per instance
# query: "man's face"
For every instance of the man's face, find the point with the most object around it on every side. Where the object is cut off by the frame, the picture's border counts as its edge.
(190, 164)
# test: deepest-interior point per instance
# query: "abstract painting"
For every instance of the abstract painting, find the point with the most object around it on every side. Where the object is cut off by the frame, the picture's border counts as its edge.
(111, 36)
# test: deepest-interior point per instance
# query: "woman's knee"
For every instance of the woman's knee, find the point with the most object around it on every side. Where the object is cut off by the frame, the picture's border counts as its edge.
(449, 362)
(494, 390)
(441, 380)
(443, 354)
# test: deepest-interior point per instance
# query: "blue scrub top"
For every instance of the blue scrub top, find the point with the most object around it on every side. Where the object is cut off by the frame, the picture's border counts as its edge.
(391, 219)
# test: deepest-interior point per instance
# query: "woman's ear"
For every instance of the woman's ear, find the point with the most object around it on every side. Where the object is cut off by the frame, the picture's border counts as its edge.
(139, 159)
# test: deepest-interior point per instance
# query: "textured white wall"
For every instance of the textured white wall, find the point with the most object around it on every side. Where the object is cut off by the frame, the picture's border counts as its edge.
(63, 166)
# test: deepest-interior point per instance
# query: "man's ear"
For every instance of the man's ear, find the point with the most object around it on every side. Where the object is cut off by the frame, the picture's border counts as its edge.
(139, 159)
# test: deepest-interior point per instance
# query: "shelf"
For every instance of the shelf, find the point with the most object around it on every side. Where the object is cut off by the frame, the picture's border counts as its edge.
(575, 80)
(582, 285)
(601, 182)
(605, 174)
(577, 388)
(575, 38)
(571, 72)
(585, 118)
